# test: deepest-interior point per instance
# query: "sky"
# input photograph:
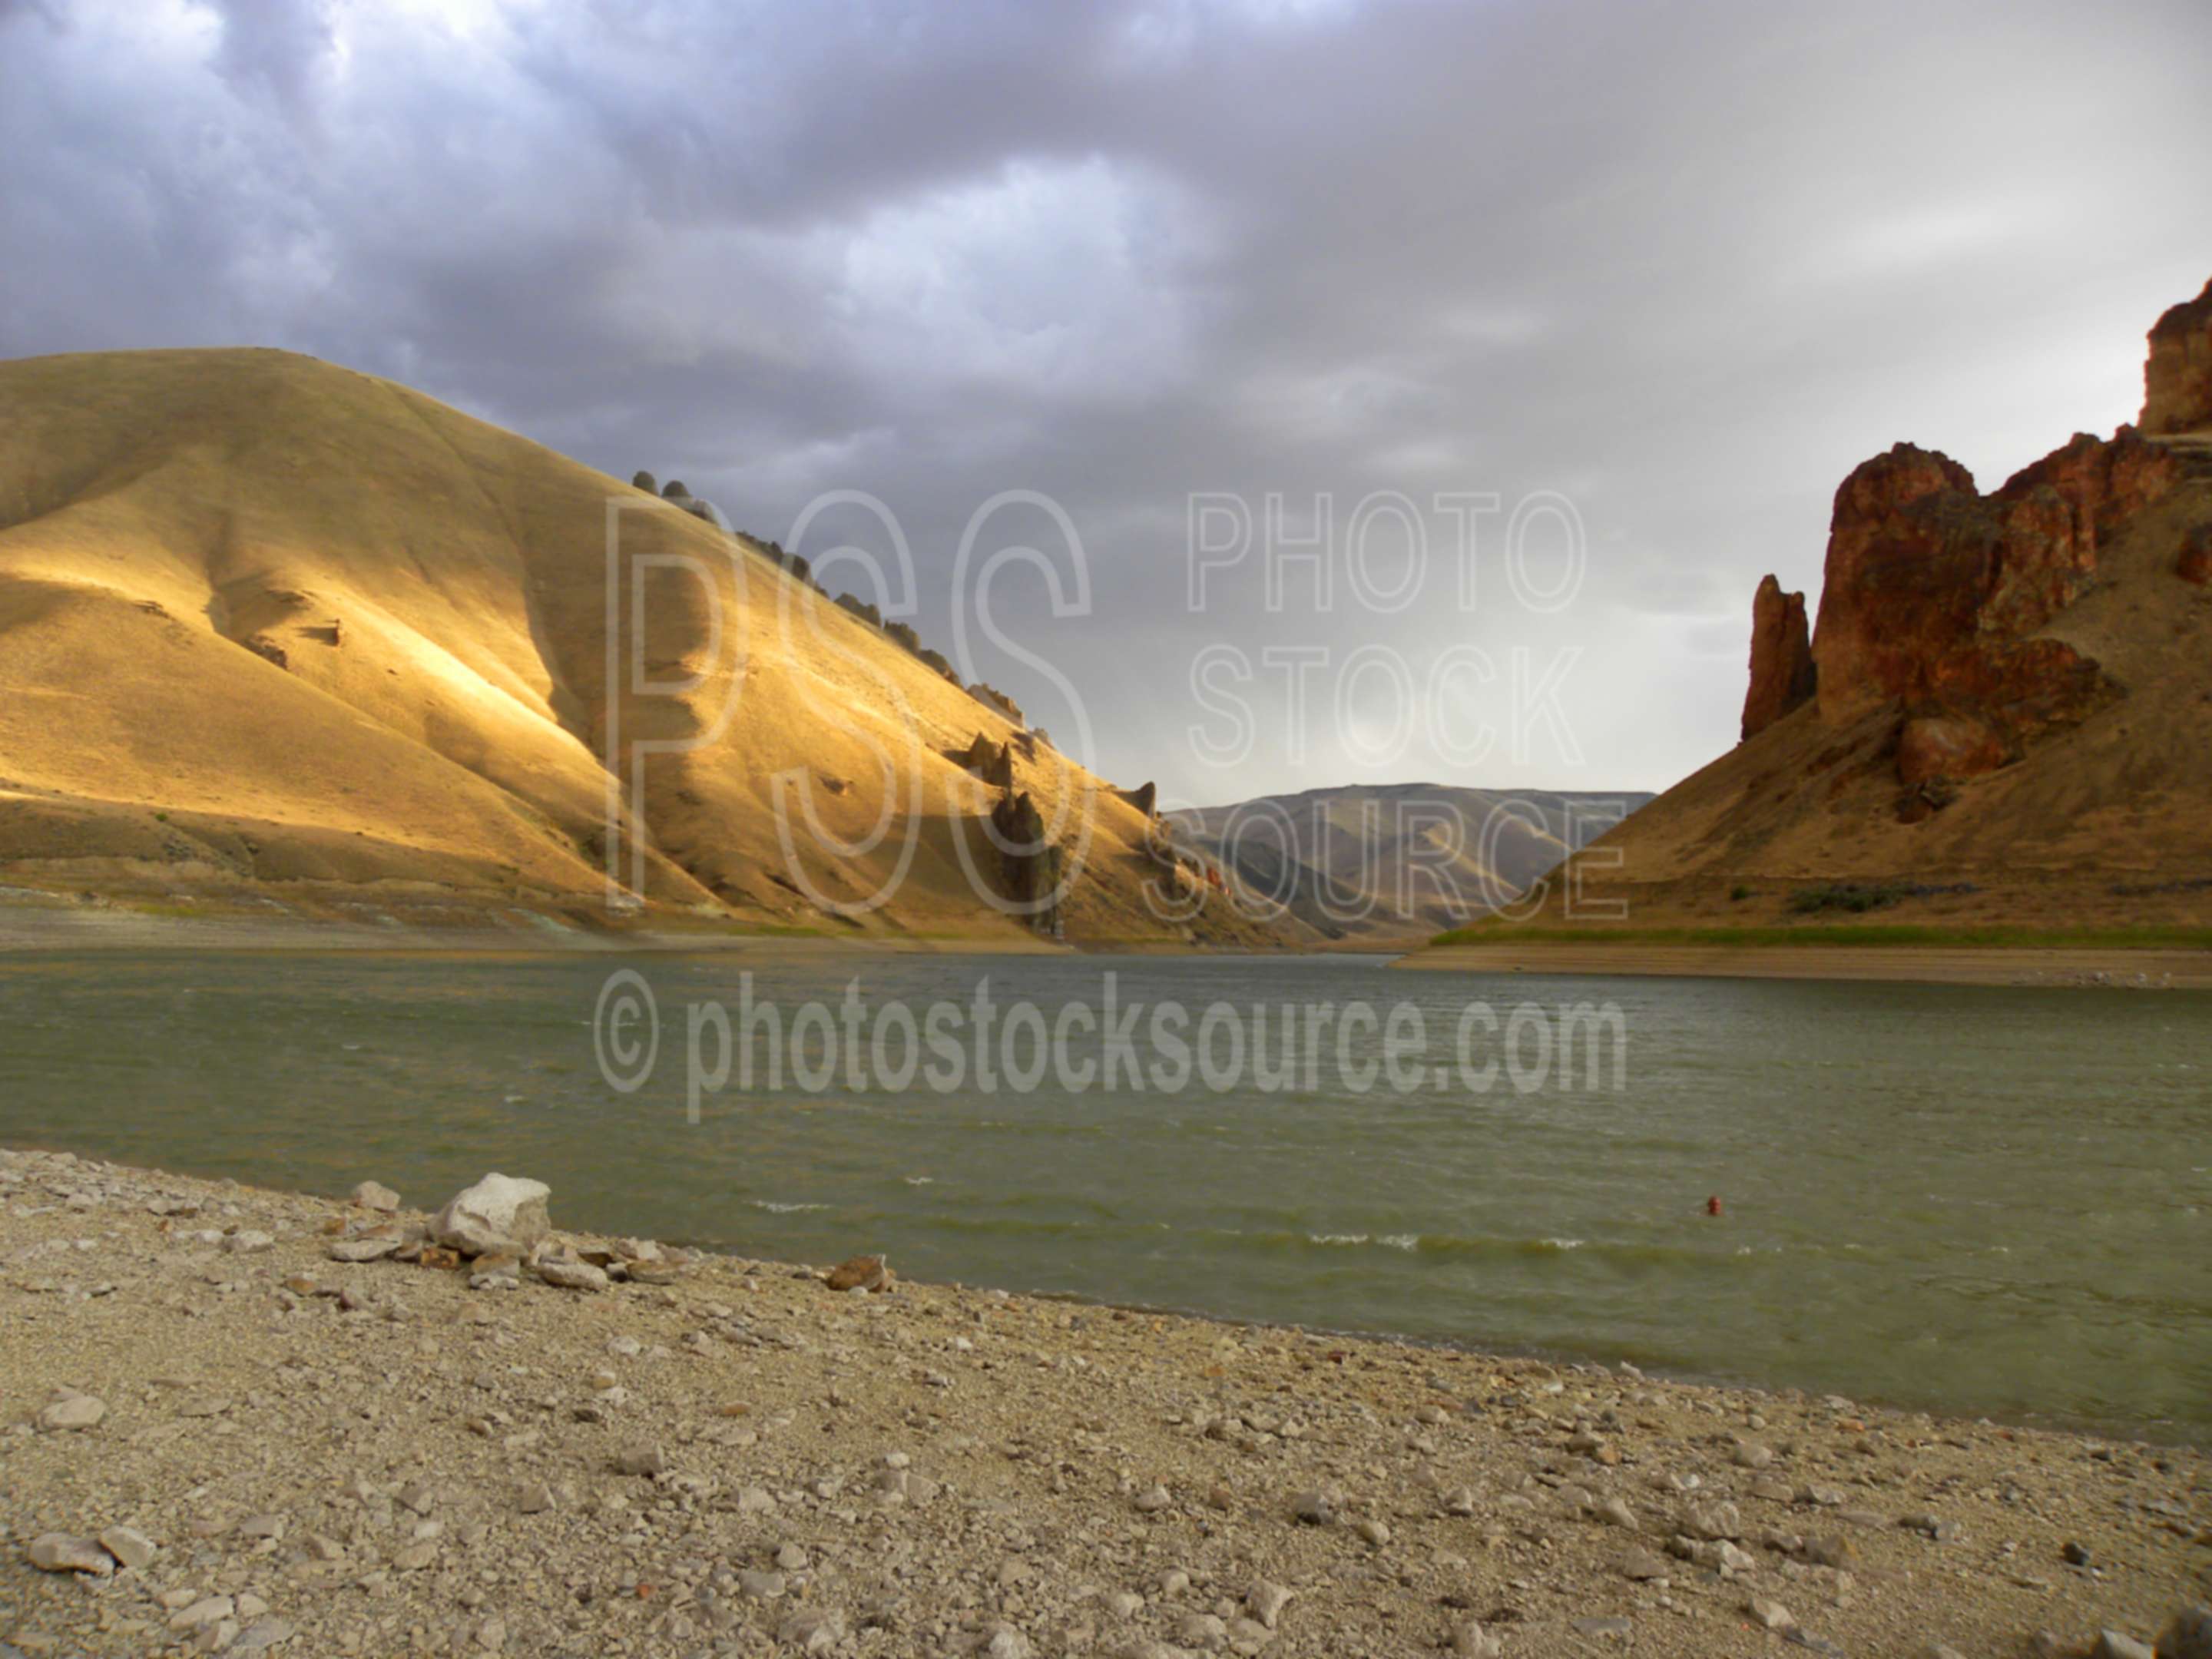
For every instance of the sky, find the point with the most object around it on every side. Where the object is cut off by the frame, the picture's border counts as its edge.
(1419, 390)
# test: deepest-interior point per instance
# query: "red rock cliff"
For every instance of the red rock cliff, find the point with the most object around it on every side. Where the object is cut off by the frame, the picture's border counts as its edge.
(1781, 657)
(2178, 376)
(1933, 591)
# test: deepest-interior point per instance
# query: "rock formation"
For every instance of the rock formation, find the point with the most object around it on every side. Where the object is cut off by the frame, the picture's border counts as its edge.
(1029, 862)
(1781, 657)
(1933, 594)
(2178, 376)
(991, 697)
(993, 763)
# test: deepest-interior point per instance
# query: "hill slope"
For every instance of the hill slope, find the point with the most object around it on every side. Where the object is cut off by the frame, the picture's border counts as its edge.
(276, 632)
(2001, 714)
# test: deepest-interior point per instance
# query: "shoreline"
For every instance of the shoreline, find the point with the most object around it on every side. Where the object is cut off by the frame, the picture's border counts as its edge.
(945, 1470)
(2146, 968)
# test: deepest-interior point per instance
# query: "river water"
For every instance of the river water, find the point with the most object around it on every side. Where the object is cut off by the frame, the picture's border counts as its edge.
(1969, 1199)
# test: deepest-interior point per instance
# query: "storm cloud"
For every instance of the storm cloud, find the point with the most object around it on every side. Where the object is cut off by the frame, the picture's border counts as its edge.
(1682, 267)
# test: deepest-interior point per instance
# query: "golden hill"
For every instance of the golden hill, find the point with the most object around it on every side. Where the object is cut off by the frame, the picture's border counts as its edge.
(276, 634)
(2001, 716)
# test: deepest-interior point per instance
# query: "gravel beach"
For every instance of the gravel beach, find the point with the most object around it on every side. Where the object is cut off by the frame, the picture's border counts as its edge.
(241, 1421)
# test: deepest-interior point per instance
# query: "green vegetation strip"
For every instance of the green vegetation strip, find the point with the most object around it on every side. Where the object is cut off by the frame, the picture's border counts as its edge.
(1902, 934)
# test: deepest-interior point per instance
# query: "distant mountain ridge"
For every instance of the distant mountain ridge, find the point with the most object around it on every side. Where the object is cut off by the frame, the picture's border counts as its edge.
(1387, 861)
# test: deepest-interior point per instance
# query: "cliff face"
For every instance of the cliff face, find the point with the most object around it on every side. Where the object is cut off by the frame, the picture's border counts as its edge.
(1781, 672)
(1934, 594)
(2005, 698)
(2177, 376)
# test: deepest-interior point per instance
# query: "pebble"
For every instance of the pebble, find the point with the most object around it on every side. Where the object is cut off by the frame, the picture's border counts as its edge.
(570, 1273)
(202, 1613)
(360, 1250)
(1832, 1552)
(1318, 1506)
(1713, 1520)
(375, 1195)
(262, 1634)
(130, 1548)
(1770, 1614)
(1615, 1512)
(58, 1552)
(69, 1411)
(1265, 1601)
(2113, 1644)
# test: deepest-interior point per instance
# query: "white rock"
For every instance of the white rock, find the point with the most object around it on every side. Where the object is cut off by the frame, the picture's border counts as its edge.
(374, 1195)
(252, 1240)
(500, 1213)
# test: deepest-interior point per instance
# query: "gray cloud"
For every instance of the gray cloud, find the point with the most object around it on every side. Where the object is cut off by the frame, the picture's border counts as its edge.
(1685, 265)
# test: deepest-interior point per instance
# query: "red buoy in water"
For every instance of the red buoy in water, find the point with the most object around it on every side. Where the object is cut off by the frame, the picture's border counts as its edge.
(1713, 1205)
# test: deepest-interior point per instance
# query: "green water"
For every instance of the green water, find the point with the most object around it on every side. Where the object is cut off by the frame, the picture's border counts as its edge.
(1974, 1200)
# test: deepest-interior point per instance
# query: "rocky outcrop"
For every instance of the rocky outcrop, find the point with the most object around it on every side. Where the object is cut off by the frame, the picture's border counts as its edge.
(993, 763)
(1029, 862)
(1146, 798)
(1782, 675)
(992, 698)
(2178, 374)
(1933, 594)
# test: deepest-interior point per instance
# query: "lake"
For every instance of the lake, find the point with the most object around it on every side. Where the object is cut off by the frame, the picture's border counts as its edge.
(1970, 1200)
